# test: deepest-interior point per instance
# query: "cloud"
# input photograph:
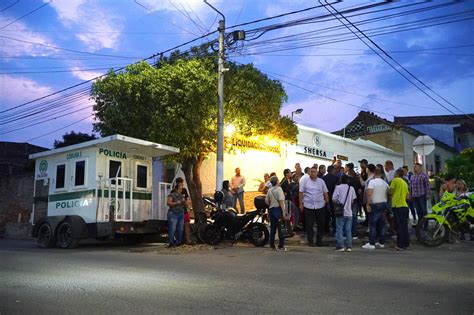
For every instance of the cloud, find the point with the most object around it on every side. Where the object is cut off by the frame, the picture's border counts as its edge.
(95, 26)
(84, 75)
(18, 89)
(15, 47)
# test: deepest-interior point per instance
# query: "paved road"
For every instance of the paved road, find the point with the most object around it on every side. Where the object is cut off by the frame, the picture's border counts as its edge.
(107, 279)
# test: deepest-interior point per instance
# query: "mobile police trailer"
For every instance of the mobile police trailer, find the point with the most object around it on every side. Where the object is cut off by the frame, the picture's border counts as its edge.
(98, 189)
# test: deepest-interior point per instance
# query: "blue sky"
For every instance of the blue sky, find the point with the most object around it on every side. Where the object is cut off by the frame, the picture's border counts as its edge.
(65, 42)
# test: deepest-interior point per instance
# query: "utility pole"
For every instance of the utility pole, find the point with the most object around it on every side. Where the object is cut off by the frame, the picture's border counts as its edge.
(220, 108)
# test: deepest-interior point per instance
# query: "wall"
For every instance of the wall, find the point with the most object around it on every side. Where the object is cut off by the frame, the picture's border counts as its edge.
(16, 197)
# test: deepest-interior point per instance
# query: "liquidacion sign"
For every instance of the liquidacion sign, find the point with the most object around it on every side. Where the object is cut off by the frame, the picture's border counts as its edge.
(312, 151)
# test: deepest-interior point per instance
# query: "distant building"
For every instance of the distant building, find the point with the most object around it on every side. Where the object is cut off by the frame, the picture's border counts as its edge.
(14, 157)
(399, 138)
(457, 131)
(16, 181)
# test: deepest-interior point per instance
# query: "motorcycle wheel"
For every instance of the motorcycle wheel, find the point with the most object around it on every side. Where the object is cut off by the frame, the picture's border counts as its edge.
(258, 234)
(212, 234)
(426, 229)
(201, 230)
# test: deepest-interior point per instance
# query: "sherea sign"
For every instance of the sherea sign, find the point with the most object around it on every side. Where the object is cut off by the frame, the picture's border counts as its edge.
(314, 152)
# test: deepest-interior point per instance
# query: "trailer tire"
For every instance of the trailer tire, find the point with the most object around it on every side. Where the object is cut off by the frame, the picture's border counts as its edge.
(46, 238)
(66, 237)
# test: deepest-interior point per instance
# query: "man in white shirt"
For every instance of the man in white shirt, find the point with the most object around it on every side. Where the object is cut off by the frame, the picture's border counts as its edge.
(345, 195)
(389, 171)
(237, 184)
(377, 196)
(313, 197)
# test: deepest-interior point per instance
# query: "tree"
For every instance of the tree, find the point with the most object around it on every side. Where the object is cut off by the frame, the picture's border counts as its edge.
(73, 138)
(461, 166)
(175, 103)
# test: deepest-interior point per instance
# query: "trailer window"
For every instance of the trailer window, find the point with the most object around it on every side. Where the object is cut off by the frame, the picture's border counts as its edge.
(60, 175)
(115, 170)
(80, 175)
(141, 176)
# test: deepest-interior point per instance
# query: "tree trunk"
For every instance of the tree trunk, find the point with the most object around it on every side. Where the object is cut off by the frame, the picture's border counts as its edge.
(192, 171)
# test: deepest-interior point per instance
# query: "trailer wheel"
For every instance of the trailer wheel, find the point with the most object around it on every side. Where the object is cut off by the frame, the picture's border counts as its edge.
(46, 237)
(66, 237)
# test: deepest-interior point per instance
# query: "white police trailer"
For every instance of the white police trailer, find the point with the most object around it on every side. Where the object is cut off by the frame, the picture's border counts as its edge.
(98, 189)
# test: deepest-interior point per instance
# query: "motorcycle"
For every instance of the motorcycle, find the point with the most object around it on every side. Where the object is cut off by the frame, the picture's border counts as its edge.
(230, 226)
(451, 215)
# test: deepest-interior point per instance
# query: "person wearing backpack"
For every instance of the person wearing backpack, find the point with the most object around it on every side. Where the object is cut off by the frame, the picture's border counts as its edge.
(345, 196)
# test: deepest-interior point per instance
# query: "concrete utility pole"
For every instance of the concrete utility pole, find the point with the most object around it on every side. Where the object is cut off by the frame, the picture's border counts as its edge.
(220, 114)
(220, 108)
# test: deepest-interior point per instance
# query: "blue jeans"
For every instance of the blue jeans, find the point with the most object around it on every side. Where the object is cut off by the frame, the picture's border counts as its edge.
(175, 228)
(354, 219)
(377, 223)
(240, 197)
(420, 205)
(343, 224)
(275, 215)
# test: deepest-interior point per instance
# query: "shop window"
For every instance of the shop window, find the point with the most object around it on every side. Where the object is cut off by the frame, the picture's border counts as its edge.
(60, 176)
(115, 170)
(80, 173)
(142, 176)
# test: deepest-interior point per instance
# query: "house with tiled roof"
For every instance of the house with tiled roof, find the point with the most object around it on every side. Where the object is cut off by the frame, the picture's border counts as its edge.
(397, 137)
(456, 131)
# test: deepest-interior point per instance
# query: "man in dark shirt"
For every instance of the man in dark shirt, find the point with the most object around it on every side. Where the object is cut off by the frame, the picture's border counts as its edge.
(331, 180)
(321, 171)
(290, 189)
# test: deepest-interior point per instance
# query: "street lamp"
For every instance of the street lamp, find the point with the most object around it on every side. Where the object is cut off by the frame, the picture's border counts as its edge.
(298, 111)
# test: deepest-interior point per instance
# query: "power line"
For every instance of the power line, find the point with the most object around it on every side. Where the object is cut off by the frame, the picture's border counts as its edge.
(391, 58)
(56, 71)
(98, 77)
(46, 134)
(25, 15)
(11, 5)
(65, 49)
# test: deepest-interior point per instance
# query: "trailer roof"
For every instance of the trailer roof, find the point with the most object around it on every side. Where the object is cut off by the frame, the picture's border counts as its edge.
(116, 142)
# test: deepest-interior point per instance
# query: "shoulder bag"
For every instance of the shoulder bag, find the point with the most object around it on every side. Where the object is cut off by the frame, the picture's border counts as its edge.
(339, 207)
(284, 226)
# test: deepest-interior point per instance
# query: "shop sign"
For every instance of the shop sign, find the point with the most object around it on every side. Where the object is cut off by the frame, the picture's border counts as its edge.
(312, 151)
(74, 155)
(317, 140)
(248, 144)
(112, 153)
(342, 157)
(378, 128)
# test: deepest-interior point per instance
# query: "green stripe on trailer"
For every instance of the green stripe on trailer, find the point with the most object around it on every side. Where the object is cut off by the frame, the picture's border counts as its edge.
(101, 193)
(73, 195)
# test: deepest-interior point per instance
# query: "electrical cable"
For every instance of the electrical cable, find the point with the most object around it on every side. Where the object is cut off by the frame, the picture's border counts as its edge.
(11, 5)
(71, 124)
(25, 15)
(391, 58)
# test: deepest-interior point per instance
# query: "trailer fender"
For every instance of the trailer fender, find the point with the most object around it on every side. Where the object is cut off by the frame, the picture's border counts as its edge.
(52, 221)
(79, 226)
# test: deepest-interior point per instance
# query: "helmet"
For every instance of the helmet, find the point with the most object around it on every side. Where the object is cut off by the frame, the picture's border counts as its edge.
(218, 196)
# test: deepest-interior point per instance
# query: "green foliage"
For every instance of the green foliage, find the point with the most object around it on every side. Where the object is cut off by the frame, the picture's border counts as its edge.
(73, 138)
(175, 103)
(462, 166)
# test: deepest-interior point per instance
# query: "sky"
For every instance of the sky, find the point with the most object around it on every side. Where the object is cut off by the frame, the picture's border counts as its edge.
(326, 70)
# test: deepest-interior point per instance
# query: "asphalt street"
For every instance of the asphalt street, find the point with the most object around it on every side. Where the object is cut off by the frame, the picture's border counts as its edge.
(106, 279)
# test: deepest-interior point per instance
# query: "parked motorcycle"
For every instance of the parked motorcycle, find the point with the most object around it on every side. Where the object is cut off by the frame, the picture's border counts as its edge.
(451, 215)
(230, 226)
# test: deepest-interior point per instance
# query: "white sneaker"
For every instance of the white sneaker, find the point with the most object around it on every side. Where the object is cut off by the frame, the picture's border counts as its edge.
(378, 245)
(414, 222)
(348, 249)
(368, 246)
(355, 237)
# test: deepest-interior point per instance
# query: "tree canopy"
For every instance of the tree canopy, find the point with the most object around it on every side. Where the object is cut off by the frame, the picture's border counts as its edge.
(175, 103)
(73, 138)
(461, 166)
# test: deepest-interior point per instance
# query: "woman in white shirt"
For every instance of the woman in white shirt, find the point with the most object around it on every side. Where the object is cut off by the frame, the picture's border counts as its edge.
(346, 195)
(275, 199)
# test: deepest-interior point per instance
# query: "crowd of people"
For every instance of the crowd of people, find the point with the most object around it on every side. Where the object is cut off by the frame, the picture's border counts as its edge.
(379, 195)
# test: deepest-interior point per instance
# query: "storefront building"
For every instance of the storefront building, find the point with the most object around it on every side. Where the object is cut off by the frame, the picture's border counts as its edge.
(259, 155)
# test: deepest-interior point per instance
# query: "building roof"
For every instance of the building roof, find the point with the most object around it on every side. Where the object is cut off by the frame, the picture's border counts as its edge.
(359, 142)
(116, 142)
(370, 115)
(430, 120)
